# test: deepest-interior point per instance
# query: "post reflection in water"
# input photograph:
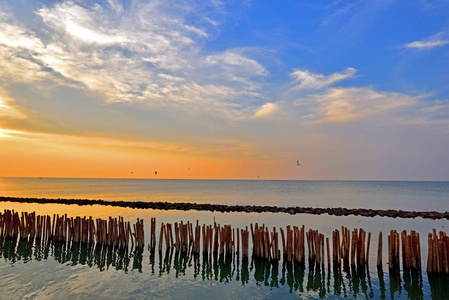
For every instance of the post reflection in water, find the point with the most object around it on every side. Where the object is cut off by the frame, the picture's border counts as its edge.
(439, 286)
(382, 288)
(345, 280)
(99, 256)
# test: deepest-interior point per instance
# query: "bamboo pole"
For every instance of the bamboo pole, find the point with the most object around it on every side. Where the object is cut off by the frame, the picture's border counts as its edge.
(283, 242)
(367, 249)
(160, 236)
(379, 250)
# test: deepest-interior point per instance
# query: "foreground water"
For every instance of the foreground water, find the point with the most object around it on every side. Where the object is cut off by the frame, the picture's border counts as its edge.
(78, 271)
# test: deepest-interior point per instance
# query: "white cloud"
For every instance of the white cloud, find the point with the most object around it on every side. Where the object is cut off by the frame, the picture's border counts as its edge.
(15, 37)
(427, 45)
(234, 59)
(147, 53)
(437, 40)
(90, 36)
(266, 110)
(306, 80)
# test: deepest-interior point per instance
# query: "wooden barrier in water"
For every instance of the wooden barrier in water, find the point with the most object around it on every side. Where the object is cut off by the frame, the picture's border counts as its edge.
(245, 242)
(347, 247)
(393, 249)
(266, 244)
(293, 243)
(438, 254)
(315, 246)
(350, 248)
(218, 239)
(111, 232)
(411, 250)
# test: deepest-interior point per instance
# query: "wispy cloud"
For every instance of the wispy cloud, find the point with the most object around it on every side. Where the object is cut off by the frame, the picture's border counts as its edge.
(149, 52)
(306, 80)
(437, 40)
(351, 19)
(351, 104)
(427, 45)
(236, 62)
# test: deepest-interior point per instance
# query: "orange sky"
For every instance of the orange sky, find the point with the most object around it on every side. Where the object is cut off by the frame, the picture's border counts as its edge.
(31, 155)
(107, 90)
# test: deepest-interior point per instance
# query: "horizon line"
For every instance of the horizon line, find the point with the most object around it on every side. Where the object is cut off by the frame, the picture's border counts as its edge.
(226, 179)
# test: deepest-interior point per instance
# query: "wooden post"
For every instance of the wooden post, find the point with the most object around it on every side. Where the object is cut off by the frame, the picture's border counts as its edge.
(367, 248)
(283, 242)
(390, 251)
(161, 236)
(379, 250)
(238, 241)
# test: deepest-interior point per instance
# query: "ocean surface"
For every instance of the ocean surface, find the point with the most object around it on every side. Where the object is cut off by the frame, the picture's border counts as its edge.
(54, 271)
(405, 195)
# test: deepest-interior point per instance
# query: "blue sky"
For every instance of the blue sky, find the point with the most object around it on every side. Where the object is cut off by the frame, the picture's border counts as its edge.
(354, 89)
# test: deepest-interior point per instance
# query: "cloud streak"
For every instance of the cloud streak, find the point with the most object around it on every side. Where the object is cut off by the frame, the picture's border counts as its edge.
(427, 45)
(352, 104)
(438, 40)
(306, 80)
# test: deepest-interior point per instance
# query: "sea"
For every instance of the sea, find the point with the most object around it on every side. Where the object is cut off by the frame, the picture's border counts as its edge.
(54, 271)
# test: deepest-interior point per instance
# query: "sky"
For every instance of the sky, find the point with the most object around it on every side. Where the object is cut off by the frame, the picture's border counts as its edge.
(353, 90)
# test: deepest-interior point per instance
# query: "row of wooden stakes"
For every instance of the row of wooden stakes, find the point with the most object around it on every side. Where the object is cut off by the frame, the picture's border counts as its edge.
(438, 255)
(347, 247)
(112, 232)
(216, 238)
(411, 250)
(351, 246)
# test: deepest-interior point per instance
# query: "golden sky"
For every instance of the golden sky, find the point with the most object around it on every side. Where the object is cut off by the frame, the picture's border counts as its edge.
(201, 90)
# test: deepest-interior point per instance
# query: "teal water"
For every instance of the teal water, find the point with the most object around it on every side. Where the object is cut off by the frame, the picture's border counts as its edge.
(59, 271)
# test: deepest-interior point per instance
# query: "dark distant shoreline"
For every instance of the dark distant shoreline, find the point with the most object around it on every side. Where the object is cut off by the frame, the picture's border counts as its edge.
(391, 213)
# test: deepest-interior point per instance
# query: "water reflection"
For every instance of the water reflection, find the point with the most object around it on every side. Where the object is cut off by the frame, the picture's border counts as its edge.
(317, 280)
(345, 281)
(439, 286)
(99, 256)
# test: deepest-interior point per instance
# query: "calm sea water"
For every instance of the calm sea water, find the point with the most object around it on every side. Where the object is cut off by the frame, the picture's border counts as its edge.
(405, 195)
(55, 271)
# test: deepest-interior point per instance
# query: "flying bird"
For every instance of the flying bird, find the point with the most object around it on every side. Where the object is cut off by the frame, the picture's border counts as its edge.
(297, 163)
(155, 172)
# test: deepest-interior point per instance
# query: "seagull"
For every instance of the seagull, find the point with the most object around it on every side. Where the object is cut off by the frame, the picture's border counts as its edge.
(297, 163)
